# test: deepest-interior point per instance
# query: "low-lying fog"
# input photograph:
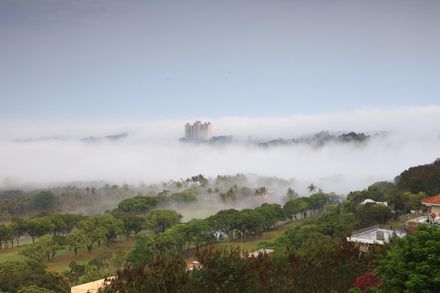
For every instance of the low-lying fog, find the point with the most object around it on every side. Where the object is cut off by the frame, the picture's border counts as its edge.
(151, 152)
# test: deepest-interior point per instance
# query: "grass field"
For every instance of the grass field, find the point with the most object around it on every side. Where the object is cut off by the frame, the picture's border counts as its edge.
(64, 257)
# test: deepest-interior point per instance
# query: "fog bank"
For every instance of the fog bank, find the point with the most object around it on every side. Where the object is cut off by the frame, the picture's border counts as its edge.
(151, 151)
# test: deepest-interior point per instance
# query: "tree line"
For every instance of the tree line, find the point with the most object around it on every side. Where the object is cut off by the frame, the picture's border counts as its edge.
(230, 224)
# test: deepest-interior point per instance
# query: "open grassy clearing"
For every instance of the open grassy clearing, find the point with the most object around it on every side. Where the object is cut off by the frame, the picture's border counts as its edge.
(11, 254)
(65, 256)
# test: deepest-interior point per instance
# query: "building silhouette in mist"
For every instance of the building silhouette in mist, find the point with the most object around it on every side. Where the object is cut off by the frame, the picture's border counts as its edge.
(198, 131)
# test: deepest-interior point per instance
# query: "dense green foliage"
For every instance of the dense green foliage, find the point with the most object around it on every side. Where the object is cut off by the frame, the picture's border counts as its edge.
(370, 214)
(303, 205)
(333, 223)
(45, 248)
(102, 266)
(138, 204)
(398, 201)
(167, 244)
(45, 201)
(197, 232)
(328, 266)
(17, 275)
(186, 196)
(413, 263)
(160, 275)
(160, 220)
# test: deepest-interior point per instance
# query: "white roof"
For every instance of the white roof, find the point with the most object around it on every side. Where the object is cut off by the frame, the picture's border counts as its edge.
(370, 236)
(256, 253)
(91, 287)
(368, 200)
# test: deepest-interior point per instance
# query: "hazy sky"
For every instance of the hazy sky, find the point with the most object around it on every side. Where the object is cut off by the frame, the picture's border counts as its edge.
(128, 60)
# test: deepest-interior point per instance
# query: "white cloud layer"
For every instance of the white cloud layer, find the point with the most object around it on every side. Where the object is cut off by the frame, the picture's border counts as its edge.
(151, 152)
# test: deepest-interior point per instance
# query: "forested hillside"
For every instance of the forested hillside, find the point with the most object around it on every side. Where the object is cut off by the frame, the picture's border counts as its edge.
(424, 178)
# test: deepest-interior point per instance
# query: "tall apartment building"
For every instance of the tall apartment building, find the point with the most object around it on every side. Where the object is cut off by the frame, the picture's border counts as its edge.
(198, 131)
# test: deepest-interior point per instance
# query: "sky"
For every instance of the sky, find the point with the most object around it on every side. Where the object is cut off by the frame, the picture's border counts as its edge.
(106, 60)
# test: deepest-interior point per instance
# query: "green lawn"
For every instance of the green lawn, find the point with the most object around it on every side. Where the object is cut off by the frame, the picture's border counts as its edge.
(11, 254)
(64, 257)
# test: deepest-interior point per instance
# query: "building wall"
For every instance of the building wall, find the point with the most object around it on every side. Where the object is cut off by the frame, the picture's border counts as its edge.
(209, 131)
(188, 131)
(91, 287)
(435, 210)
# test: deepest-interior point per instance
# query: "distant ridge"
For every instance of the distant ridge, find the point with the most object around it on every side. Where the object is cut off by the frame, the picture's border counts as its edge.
(321, 138)
(90, 139)
(115, 137)
(318, 139)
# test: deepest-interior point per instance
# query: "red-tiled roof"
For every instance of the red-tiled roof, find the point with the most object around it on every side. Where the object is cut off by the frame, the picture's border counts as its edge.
(432, 200)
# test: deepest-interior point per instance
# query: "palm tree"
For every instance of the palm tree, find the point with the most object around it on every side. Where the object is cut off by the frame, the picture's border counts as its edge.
(312, 187)
(291, 194)
(261, 191)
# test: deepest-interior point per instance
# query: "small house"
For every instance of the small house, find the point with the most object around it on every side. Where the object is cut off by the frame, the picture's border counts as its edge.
(370, 201)
(377, 234)
(260, 251)
(433, 204)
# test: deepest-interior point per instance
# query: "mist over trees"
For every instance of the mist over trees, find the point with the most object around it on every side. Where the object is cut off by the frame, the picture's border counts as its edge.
(97, 198)
(396, 140)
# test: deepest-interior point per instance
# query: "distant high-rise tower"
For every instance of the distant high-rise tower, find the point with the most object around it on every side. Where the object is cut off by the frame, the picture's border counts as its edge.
(188, 131)
(198, 131)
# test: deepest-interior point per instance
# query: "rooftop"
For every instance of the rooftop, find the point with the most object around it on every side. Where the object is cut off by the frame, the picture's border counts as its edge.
(376, 234)
(90, 287)
(368, 200)
(433, 200)
(194, 266)
(260, 251)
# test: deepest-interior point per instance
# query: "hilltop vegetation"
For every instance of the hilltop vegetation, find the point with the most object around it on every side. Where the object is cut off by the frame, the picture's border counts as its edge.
(424, 178)
(320, 139)
(315, 140)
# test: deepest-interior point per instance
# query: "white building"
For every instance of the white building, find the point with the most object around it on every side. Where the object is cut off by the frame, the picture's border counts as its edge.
(90, 287)
(256, 253)
(198, 131)
(376, 234)
(370, 201)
